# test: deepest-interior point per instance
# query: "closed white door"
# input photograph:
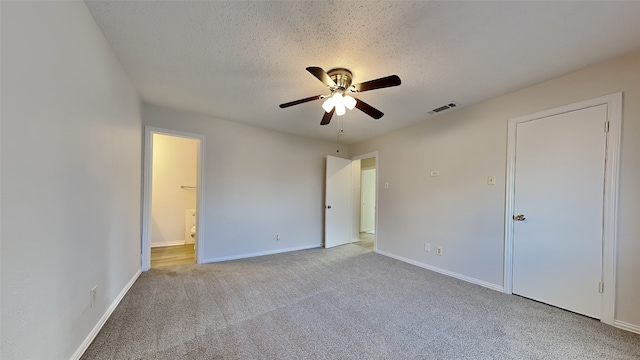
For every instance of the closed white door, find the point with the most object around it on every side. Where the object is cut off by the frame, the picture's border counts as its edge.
(337, 212)
(368, 208)
(559, 184)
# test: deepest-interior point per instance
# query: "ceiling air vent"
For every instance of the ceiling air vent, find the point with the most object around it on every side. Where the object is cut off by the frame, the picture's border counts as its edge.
(443, 108)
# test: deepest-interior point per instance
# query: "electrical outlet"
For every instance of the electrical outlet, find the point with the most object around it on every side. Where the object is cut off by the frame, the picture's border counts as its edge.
(94, 292)
(427, 247)
(277, 236)
(439, 251)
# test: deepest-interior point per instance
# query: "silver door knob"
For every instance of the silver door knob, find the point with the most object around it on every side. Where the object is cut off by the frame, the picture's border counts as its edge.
(519, 217)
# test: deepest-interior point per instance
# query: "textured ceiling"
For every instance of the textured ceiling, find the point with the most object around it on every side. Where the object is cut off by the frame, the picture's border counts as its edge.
(239, 60)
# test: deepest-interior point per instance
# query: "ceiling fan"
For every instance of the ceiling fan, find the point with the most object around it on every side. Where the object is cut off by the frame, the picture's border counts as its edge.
(338, 81)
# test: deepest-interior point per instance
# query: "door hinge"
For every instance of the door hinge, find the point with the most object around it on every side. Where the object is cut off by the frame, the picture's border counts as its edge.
(606, 126)
(601, 287)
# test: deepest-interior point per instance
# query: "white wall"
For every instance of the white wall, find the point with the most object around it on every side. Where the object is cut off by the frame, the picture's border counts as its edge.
(70, 145)
(459, 212)
(174, 165)
(258, 183)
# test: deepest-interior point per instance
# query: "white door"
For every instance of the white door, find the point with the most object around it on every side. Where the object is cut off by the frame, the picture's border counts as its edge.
(559, 183)
(337, 212)
(368, 208)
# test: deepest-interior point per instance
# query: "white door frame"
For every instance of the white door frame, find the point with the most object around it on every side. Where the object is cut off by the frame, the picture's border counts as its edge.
(373, 154)
(610, 200)
(149, 131)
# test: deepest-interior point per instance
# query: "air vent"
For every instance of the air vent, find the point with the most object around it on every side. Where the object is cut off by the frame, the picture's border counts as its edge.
(443, 108)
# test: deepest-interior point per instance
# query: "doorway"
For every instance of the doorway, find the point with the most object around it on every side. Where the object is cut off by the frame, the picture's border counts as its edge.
(365, 200)
(560, 229)
(172, 204)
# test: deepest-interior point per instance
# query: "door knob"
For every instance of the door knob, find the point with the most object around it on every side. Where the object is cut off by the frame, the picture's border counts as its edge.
(519, 217)
(328, 206)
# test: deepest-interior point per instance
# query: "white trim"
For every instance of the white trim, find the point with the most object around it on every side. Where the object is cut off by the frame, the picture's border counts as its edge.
(261, 253)
(149, 131)
(443, 271)
(610, 211)
(96, 329)
(373, 154)
(169, 243)
(626, 326)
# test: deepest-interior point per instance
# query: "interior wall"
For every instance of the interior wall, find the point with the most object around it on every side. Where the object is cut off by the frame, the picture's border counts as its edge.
(369, 163)
(70, 183)
(257, 184)
(368, 200)
(175, 164)
(460, 212)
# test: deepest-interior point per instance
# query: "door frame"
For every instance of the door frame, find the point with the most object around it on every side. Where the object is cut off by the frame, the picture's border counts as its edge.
(373, 154)
(149, 131)
(610, 199)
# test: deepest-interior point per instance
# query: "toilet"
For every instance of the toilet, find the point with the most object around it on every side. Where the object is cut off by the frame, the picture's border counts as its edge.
(190, 226)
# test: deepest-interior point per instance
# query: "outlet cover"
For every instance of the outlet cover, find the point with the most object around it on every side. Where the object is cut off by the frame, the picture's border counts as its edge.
(427, 247)
(439, 251)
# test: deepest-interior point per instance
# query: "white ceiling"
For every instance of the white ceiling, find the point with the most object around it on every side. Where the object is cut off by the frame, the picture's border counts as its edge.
(238, 60)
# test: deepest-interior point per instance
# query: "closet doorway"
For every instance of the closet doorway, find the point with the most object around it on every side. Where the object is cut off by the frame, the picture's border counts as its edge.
(172, 191)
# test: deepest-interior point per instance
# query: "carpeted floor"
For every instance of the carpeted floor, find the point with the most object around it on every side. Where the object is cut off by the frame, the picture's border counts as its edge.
(340, 303)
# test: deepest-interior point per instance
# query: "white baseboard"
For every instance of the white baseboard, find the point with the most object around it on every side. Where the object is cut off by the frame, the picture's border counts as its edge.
(262, 253)
(96, 329)
(443, 271)
(168, 243)
(626, 326)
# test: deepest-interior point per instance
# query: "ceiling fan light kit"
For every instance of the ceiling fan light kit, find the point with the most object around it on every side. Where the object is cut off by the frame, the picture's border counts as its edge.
(339, 82)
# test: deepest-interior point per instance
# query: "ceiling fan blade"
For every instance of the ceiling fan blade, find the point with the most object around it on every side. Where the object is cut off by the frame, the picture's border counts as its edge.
(389, 81)
(321, 75)
(368, 109)
(301, 101)
(327, 117)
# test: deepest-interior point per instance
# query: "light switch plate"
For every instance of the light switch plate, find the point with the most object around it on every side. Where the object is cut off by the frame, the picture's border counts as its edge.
(491, 180)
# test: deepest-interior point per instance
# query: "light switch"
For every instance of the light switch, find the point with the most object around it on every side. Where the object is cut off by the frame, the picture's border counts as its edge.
(386, 185)
(491, 180)
(435, 173)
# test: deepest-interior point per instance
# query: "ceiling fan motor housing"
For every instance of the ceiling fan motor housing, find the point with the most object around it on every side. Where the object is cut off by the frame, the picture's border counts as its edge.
(342, 77)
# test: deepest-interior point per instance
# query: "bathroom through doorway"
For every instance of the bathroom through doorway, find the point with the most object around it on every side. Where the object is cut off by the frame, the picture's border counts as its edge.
(172, 198)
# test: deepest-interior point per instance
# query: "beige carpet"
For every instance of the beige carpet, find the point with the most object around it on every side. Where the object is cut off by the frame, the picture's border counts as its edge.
(340, 303)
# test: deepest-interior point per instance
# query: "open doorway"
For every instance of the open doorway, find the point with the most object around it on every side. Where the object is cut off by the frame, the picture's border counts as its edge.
(172, 188)
(364, 205)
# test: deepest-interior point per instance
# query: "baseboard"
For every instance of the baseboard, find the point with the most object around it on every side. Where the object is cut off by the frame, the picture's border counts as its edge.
(443, 271)
(626, 326)
(96, 329)
(262, 253)
(168, 243)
